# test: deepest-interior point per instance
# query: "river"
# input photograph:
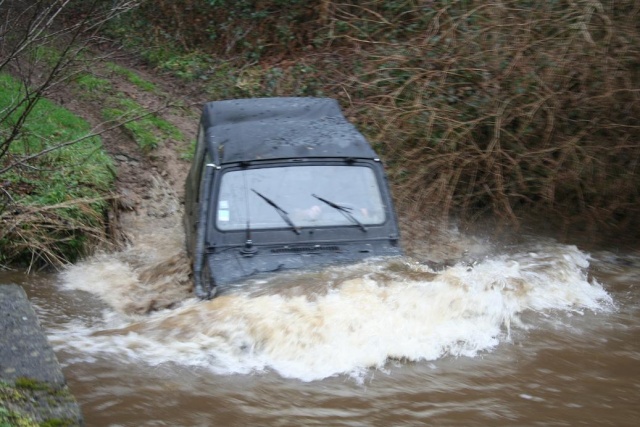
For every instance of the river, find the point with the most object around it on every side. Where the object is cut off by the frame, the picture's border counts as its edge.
(533, 333)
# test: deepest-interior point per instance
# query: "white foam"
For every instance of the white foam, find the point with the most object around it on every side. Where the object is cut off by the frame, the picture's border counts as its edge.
(105, 276)
(373, 315)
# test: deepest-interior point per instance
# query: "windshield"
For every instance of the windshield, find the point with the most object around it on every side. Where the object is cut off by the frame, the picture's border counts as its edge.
(281, 197)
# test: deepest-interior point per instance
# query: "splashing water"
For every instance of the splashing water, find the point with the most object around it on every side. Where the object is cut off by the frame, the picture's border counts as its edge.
(342, 320)
(153, 271)
(313, 325)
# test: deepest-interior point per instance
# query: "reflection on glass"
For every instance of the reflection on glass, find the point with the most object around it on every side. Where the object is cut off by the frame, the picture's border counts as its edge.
(291, 188)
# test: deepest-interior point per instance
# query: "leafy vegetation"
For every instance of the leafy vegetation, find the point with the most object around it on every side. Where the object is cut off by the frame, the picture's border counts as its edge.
(52, 205)
(515, 109)
(55, 179)
(58, 204)
(146, 127)
(132, 77)
(91, 85)
(147, 130)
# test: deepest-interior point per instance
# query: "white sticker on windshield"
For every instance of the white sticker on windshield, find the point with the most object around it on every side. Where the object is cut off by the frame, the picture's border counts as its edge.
(223, 215)
(223, 204)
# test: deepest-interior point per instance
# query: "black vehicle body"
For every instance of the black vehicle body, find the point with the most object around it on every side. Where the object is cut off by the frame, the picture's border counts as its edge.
(282, 183)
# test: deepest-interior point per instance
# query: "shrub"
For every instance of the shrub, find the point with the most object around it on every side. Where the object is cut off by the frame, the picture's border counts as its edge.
(511, 109)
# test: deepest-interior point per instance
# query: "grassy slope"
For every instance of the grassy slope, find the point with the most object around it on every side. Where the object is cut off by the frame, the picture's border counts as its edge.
(58, 202)
(55, 198)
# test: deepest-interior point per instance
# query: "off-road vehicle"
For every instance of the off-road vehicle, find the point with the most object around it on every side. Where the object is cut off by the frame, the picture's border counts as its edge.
(282, 183)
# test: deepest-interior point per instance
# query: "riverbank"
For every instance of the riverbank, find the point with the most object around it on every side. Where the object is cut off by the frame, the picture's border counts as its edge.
(33, 390)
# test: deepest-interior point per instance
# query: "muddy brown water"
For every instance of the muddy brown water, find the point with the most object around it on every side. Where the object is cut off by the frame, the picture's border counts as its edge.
(537, 333)
(540, 334)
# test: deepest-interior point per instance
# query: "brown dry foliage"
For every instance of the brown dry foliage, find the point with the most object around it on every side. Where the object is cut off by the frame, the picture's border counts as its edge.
(510, 109)
(50, 237)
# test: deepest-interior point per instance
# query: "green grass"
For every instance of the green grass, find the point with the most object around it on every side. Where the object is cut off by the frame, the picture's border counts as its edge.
(89, 83)
(78, 171)
(147, 131)
(133, 77)
(188, 152)
(25, 383)
(47, 54)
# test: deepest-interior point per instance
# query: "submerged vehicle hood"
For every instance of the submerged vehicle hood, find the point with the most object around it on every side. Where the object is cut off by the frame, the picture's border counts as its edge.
(234, 265)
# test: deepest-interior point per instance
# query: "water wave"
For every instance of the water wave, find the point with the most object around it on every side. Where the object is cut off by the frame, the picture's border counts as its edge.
(344, 320)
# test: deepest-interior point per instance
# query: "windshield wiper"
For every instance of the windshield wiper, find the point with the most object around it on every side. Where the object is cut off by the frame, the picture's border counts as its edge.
(344, 210)
(282, 212)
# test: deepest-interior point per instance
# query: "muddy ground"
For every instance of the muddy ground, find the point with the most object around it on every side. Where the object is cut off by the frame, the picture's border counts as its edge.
(177, 102)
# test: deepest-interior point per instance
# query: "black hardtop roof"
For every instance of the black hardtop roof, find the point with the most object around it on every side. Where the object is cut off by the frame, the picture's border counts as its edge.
(282, 128)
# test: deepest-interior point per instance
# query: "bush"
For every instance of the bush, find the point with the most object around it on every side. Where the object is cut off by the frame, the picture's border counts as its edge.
(510, 109)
